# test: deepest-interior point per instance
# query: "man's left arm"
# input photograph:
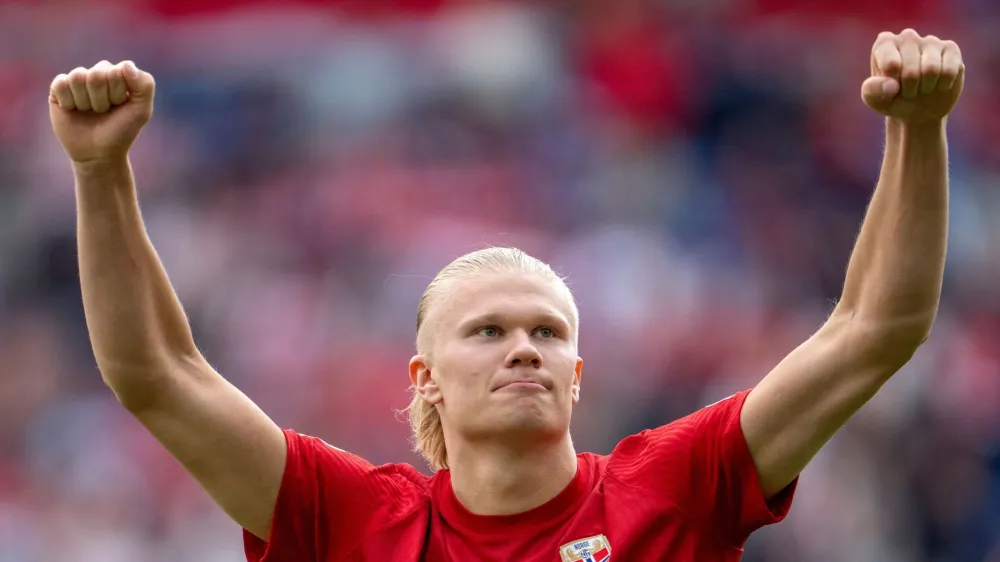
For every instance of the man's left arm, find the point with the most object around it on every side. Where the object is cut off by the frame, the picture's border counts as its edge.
(893, 285)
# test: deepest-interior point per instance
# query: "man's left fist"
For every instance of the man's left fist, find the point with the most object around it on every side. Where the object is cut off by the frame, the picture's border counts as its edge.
(914, 79)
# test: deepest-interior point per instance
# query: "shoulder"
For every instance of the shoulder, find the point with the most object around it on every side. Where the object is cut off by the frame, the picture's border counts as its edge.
(700, 429)
(313, 458)
(680, 456)
(699, 465)
(331, 499)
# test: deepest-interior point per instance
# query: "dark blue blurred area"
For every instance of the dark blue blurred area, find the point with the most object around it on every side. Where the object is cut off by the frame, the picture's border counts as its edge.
(698, 171)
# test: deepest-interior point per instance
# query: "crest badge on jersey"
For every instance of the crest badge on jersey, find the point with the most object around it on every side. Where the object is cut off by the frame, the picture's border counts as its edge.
(590, 549)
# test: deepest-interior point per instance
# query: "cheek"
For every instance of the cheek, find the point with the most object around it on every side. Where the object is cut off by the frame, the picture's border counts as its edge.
(473, 363)
(564, 371)
(563, 360)
(461, 374)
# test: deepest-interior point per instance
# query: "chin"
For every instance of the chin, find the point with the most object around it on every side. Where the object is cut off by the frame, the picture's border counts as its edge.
(524, 421)
(527, 425)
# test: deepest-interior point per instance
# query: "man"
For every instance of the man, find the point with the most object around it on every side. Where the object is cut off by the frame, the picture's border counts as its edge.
(497, 372)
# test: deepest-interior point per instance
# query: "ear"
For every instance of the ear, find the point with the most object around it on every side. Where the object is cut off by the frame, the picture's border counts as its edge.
(577, 378)
(423, 381)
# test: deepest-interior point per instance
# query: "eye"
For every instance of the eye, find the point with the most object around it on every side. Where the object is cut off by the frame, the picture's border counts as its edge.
(489, 331)
(546, 332)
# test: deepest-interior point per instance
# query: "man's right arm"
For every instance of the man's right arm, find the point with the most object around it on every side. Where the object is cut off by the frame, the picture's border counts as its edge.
(147, 356)
(138, 330)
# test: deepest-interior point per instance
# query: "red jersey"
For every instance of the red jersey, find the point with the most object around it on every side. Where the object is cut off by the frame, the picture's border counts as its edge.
(684, 491)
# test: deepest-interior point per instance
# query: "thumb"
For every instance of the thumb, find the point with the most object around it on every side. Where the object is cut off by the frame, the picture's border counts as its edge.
(140, 84)
(878, 92)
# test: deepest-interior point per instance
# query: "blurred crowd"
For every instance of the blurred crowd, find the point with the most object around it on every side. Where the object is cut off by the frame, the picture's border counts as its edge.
(698, 169)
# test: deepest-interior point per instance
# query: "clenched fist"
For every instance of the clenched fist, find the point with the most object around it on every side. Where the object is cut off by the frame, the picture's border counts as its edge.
(97, 113)
(914, 78)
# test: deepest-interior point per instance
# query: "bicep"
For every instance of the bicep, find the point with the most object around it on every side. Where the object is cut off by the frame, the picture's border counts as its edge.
(223, 439)
(807, 397)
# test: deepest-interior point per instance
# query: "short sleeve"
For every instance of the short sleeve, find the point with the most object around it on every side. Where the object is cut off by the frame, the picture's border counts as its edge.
(701, 464)
(328, 502)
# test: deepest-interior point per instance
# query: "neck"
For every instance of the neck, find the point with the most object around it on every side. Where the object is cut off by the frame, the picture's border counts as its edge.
(494, 479)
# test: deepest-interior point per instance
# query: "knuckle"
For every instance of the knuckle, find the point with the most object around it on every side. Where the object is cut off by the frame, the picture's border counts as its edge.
(909, 33)
(78, 75)
(892, 64)
(884, 43)
(95, 76)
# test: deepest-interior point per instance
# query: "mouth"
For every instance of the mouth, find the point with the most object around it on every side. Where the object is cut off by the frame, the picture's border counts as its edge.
(523, 385)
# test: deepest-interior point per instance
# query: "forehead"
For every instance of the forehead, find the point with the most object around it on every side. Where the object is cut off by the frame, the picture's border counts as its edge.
(503, 294)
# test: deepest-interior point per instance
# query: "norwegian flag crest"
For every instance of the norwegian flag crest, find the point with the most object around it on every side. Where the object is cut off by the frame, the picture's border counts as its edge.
(590, 549)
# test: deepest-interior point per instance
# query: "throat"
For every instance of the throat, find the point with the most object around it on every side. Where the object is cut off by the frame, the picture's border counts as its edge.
(503, 484)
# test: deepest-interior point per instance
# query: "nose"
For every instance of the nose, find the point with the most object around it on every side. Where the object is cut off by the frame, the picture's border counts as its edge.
(523, 353)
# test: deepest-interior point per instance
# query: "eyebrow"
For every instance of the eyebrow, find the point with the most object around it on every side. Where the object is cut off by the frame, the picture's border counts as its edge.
(545, 318)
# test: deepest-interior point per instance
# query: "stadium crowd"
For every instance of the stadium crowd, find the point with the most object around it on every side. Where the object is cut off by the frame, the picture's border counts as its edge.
(697, 169)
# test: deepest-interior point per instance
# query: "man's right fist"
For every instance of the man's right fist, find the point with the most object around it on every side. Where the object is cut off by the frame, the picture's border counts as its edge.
(97, 113)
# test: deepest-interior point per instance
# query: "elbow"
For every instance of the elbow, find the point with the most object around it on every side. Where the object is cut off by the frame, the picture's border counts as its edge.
(135, 391)
(894, 348)
(139, 385)
(888, 344)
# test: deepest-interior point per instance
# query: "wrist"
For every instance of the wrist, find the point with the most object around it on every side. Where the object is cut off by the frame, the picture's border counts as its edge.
(915, 129)
(101, 168)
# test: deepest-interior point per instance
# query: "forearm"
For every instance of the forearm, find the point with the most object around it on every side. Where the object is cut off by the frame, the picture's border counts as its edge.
(137, 326)
(895, 273)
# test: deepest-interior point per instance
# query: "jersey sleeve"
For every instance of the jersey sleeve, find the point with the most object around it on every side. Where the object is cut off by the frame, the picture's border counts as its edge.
(328, 502)
(701, 464)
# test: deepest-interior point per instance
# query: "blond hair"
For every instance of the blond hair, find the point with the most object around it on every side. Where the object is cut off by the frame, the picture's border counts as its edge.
(425, 421)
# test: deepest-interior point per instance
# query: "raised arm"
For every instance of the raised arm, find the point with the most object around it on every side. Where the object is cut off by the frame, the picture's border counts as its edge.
(893, 285)
(138, 330)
